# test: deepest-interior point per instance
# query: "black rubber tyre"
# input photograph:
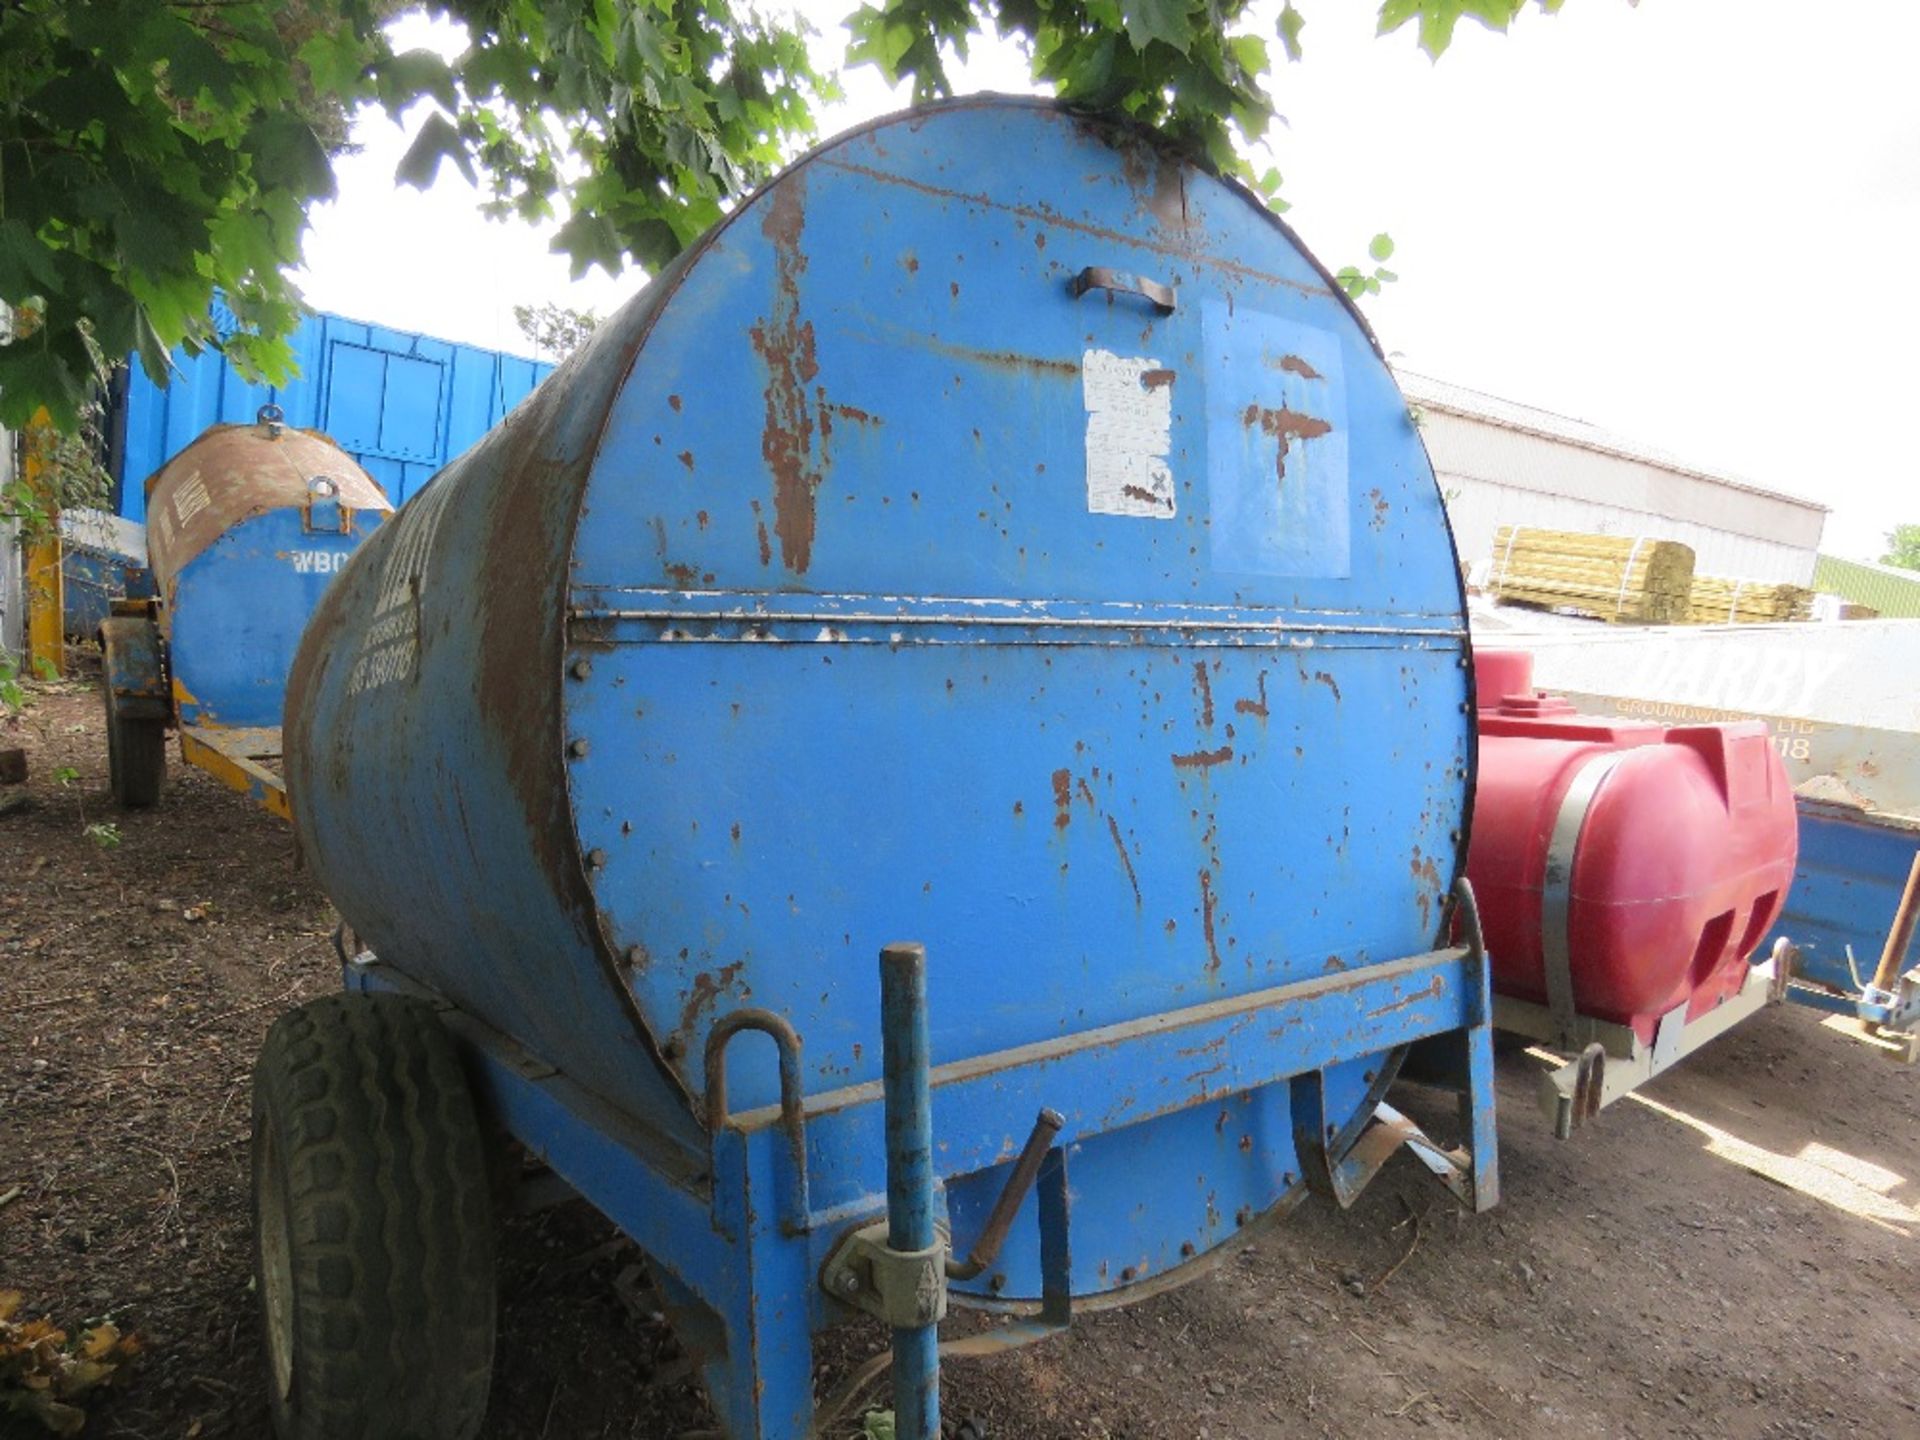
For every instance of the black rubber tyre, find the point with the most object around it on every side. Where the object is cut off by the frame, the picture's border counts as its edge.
(373, 1225)
(136, 758)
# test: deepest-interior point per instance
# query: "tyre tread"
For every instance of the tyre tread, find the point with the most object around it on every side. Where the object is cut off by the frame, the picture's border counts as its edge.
(390, 1218)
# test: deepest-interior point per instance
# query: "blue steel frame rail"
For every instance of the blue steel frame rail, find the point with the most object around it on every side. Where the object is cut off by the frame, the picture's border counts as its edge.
(739, 1238)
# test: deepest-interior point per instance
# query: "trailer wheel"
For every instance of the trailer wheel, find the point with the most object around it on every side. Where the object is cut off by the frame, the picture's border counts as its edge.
(136, 757)
(373, 1226)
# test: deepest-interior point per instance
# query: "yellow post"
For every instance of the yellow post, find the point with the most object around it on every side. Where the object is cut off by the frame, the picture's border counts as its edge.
(46, 589)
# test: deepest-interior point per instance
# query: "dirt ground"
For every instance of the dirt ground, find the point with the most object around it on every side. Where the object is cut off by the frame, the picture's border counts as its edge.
(1733, 1255)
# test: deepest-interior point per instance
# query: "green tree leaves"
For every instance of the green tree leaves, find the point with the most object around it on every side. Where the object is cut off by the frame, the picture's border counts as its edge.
(1437, 18)
(641, 120)
(149, 153)
(1360, 283)
(152, 151)
(1903, 547)
(1164, 20)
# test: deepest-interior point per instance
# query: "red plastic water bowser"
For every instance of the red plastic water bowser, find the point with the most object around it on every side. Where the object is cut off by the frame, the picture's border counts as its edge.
(1643, 861)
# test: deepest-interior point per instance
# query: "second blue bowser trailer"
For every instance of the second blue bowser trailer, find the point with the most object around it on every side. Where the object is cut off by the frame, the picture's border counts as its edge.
(997, 547)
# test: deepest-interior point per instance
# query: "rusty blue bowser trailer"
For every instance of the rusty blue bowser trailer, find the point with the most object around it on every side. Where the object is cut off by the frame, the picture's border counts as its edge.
(246, 527)
(1028, 575)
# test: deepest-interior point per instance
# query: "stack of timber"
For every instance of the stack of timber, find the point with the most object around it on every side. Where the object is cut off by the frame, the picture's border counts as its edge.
(1609, 577)
(1718, 601)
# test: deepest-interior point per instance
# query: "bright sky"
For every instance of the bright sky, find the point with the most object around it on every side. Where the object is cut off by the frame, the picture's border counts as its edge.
(1694, 222)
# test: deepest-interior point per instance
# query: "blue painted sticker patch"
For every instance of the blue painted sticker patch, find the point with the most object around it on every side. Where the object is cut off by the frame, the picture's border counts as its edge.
(1276, 446)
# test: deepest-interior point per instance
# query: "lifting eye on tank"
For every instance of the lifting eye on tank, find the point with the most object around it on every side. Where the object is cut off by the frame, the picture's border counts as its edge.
(323, 512)
(272, 419)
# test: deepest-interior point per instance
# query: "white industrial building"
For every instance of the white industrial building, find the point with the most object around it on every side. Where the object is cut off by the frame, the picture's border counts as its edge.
(1503, 463)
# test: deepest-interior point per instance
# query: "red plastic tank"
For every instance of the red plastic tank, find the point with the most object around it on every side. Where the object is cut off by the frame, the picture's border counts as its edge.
(1657, 856)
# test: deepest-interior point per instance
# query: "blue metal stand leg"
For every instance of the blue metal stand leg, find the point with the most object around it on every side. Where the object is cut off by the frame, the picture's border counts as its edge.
(909, 1109)
(759, 1369)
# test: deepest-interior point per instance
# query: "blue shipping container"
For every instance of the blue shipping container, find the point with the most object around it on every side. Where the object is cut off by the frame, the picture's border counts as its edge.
(401, 404)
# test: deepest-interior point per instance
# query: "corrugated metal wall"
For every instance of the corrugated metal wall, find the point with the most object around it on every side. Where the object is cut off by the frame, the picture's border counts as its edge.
(1893, 592)
(401, 404)
(1500, 463)
(1478, 508)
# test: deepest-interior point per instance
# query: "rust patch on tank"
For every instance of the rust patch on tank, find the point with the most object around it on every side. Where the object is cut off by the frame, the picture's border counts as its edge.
(1203, 687)
(1156, 379)
(1434, 989)
(1147, 497)
(1256, 708)
(1206, 921)
(760, 526)
(786, 346)
(1126, 860)
(1062, 799)
(1285, 426)
(708, 986)
(1380, 509)
(1203, 759)
(232, 473)
(1156, 178)
(674, 401)
(1010, 360)
(1427, 874)
(855, 414)
(1296, 365)
(684, 576)
(1321, 677)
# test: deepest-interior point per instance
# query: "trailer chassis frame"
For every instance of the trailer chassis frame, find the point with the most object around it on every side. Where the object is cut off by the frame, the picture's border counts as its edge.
(746, 1260)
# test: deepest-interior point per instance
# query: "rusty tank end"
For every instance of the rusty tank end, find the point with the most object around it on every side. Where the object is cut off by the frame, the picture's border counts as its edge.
(245, 529)
(1036, 561)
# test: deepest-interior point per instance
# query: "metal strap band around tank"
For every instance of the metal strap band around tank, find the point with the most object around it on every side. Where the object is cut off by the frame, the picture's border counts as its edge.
(1556, 887)
(675, 608)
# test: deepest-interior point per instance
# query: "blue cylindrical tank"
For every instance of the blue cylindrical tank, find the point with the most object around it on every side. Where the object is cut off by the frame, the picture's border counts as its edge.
(997, 533)
(246, 528)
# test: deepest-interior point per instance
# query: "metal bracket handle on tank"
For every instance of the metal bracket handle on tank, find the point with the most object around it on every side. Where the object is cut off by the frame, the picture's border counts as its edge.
(1121, 282)
(793, 1120)
(323, 510)
(272, 419)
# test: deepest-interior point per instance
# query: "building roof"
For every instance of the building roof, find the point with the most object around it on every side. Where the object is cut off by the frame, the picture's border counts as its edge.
(1887, 588)
(1442, 395)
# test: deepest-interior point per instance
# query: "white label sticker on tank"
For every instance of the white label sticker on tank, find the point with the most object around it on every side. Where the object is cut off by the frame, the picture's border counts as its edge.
(190, 499)
(1129, 434)
(390, 650)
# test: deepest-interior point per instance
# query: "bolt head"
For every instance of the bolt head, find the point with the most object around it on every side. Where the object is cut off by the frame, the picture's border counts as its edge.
(849, 1283)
